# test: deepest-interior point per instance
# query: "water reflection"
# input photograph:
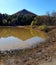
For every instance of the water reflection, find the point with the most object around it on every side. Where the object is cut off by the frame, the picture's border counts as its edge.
(21, 33)
(11, 43)
(19, 38)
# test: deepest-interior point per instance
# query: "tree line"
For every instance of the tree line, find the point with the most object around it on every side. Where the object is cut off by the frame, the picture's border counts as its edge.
(16, 20)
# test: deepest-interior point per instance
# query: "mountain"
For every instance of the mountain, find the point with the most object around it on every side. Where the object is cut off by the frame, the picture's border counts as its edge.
(25, 12)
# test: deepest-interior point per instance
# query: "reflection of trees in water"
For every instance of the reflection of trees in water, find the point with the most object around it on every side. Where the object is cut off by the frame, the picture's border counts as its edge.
(14, 31)
(19, 32)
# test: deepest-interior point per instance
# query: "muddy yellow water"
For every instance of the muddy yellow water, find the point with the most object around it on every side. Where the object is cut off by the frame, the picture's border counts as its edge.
(22, 33)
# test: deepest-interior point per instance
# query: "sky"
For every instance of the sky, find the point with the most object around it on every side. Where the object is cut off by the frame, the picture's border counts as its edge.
(39, 7)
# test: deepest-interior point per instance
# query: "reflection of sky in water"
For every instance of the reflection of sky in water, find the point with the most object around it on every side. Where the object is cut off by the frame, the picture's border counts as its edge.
(15, 43)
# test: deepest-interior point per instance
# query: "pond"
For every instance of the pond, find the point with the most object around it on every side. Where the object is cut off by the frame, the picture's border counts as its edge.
(19, 38)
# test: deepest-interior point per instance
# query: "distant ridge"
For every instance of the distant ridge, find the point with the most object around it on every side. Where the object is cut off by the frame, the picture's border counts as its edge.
(25, 12)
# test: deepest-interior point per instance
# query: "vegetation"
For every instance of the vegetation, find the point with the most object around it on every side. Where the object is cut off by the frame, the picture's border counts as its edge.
(43, 54)
(43, 27)
(25, 18)
(33, 23)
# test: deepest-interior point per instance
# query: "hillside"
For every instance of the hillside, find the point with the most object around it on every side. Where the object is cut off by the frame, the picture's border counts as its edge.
(25, 12)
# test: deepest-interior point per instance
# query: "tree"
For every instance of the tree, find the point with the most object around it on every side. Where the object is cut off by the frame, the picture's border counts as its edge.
(33, 23)
(13, 21)
(43, 27)
(4, 21)
(53, 14)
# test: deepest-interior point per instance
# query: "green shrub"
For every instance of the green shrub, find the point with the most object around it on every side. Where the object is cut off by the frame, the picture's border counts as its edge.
(43, 27)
